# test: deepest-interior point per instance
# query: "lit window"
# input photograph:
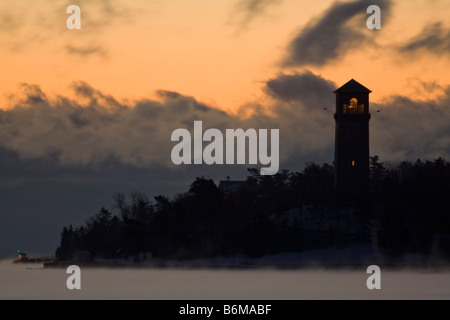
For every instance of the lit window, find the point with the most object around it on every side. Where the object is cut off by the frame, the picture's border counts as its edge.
(353, 163)
(353, 107)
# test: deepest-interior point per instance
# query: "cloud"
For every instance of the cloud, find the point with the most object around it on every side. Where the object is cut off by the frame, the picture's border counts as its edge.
(100, 15)
(84, 51)
(434, 38)
(299, 87)
(246, 11)
(94, 128)
(10, 22)
(426, 89)
(333, 34)
(407, 130)
(26, 25)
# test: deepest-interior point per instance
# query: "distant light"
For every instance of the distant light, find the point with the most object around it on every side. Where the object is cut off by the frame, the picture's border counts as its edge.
(353, 163)
(18, 250)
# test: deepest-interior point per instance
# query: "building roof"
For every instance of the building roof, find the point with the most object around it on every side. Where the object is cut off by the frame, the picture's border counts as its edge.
(352, 87)
(229, 185)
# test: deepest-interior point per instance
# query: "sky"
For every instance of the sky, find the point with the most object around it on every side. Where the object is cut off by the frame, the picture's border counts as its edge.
(87, 113)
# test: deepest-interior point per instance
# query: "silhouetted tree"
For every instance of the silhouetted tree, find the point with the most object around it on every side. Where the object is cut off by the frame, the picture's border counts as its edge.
(66, 248)
(411, 201)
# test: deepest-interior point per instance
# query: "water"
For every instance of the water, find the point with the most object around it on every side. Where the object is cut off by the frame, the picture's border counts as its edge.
(31, 281)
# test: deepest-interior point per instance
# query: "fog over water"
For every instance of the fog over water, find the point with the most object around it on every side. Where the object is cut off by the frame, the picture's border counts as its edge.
(32, 281)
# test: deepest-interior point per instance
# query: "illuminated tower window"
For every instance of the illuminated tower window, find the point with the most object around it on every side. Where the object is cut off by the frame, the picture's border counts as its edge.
(353, 107)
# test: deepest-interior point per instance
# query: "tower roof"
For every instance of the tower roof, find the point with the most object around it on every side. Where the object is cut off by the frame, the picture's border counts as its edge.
(352, 87)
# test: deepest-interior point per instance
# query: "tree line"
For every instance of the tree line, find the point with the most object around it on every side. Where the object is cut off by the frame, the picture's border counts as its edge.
(408, 211)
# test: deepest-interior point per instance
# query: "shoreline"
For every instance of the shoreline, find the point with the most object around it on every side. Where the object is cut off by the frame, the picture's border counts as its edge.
(355, 257)
(392, 267)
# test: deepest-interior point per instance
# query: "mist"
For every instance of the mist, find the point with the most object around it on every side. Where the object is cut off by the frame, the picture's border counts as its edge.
(32, 281)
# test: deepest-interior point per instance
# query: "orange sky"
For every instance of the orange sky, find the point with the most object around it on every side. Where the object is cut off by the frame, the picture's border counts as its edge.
(201, 48)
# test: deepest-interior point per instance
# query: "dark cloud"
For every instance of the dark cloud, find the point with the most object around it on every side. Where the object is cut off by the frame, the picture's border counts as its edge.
(406, 129)
(95, 126)
(32, 94)
(434, 38)
(326, 38)
(299, 86)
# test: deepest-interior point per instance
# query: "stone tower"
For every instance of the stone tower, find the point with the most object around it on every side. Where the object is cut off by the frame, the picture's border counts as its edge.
(351, 154)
